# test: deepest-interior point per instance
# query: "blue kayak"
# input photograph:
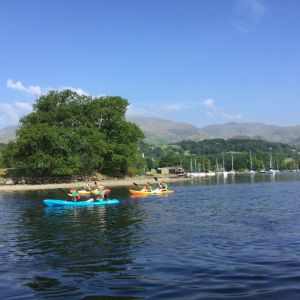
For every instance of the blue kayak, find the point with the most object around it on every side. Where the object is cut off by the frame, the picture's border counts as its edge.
(56, 202)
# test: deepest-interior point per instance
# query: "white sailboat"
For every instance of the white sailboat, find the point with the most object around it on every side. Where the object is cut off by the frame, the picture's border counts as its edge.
(251, 171)
(217, 167)
(223, 172)
(263, 170)
(231, 172)
(271, 171)
(210, 172)
(194, 173)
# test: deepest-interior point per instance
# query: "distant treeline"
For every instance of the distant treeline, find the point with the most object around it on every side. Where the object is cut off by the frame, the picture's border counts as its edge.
(207, 153)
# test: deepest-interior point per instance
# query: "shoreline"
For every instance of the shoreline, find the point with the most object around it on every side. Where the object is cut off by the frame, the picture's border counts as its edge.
(107, 183)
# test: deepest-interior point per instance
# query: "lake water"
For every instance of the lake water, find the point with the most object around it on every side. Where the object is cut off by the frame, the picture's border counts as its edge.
(211, 239)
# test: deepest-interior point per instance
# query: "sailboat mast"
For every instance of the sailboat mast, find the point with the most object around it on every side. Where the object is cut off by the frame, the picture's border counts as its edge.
(294, 165)
(251, 164)
(223, 160)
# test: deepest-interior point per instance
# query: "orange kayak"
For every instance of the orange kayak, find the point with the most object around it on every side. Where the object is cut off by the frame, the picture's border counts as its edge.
(154, 192)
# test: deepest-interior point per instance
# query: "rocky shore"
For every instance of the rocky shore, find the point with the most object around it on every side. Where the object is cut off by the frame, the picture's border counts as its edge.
(106, 183)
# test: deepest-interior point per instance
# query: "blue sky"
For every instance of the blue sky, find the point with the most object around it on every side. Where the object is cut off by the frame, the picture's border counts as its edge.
(197, 61)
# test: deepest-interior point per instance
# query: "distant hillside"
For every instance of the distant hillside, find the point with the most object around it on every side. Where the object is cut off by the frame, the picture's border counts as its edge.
(7, 134)
(288, 134)
(159, 131)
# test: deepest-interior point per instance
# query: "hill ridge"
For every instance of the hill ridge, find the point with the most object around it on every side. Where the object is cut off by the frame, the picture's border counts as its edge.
(162, 131)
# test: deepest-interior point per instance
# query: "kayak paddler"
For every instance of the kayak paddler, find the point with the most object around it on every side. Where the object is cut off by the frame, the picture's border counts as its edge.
(148, 187)
(87, 187)
(74, 195)
(100, 193)
(163, 186)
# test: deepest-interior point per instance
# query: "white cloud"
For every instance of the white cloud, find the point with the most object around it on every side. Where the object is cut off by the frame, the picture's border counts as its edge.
(137, 111)
(216, 112)
(79, 91)
(23, 106)
(209, 103)
(248, 14)
(9, 115)
(18, 85)
(37, 90)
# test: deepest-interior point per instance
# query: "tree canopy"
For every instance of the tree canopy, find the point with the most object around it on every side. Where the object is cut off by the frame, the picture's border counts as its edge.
(70, 134)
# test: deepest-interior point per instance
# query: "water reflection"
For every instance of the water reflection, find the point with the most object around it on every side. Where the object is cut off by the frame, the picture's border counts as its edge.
(245, 178)
(81, 244)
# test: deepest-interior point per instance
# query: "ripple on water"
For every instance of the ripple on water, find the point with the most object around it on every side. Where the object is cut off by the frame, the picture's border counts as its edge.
(205, 241)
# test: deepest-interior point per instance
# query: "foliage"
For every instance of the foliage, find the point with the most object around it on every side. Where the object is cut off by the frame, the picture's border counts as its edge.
(207, 153)
(70, 134)
(2, 146)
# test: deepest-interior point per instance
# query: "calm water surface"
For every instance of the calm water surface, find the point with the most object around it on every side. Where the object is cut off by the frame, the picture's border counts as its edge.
(211, 239)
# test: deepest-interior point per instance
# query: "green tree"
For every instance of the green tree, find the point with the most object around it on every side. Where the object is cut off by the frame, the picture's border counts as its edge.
(71, 134)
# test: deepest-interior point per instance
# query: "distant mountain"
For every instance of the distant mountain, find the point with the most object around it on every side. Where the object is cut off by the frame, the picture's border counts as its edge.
(163, 131)
(159, 131)
(7, 134)
(284, 134)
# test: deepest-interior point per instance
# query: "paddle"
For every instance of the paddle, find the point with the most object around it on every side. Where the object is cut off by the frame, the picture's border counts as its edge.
(63, 191)
(156, 179)
(160, 187)
(138, 186)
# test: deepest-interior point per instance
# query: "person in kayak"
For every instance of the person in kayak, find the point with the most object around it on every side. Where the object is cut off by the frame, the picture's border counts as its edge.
(147, 188)
(100, 193)
(99, 197)
(163, 186)
(74, 195)
(87, 187)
